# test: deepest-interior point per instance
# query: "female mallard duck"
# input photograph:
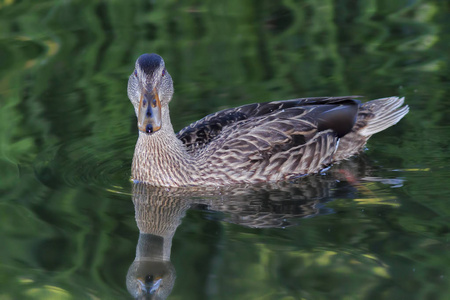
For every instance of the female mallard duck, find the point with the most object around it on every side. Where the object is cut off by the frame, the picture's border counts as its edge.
(249, 144)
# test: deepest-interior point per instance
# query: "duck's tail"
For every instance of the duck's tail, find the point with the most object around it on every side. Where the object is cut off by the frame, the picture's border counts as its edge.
(377, 115)
(373, 116)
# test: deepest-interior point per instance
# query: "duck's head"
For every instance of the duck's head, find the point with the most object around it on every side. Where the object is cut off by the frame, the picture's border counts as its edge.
(147, 279)
(150, 89)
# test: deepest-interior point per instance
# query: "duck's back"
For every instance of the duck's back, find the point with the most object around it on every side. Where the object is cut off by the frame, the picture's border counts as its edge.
(279, 140)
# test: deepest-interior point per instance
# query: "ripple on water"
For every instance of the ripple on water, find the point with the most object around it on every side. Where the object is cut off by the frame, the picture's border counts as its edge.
(105, 164)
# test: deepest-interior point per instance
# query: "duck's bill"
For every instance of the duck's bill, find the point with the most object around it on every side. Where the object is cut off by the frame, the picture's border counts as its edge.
(149, 288)
(149, 115)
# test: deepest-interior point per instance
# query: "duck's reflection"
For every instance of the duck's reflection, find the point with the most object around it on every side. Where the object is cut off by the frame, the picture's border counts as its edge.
(159, 212)
(152, 275)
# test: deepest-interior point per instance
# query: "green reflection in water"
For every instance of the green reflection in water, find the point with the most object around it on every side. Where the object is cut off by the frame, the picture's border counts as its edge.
(67, 133)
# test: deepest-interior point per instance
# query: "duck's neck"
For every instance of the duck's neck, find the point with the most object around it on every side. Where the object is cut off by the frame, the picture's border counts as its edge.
(160, 158)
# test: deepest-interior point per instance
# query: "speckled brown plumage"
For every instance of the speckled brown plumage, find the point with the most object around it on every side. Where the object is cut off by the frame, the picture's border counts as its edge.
(262, 142)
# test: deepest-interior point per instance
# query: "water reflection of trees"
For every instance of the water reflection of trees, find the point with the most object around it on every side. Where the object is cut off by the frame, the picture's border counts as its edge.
(63, 73)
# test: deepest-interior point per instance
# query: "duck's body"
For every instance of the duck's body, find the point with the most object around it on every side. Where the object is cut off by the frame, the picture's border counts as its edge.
(249, 144)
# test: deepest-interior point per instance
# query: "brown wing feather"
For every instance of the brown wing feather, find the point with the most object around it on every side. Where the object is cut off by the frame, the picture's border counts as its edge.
(201, 133)
(279, 140)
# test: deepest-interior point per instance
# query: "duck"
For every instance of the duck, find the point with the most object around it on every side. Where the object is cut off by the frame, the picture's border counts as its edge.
(254, 143)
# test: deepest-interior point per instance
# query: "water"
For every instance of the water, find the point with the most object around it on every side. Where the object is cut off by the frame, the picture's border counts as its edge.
(375, 227)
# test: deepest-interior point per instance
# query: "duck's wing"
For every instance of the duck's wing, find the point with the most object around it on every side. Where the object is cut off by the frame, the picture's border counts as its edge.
(199, 134)
(271, 141)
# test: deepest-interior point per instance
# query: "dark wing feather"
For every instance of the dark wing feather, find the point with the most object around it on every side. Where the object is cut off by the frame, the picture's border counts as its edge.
(270, 141)
(201, 133)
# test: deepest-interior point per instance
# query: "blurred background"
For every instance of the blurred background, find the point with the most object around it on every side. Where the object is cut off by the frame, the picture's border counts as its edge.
(67, 135)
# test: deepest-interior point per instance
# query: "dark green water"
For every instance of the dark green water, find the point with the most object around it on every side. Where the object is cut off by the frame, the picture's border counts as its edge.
(378, 230)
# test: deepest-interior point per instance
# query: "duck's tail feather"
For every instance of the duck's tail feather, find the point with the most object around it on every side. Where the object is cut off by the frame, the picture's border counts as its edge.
(373, 116)
(383, 113)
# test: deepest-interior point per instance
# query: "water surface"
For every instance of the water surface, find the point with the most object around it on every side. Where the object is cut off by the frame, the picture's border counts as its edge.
(375, 227)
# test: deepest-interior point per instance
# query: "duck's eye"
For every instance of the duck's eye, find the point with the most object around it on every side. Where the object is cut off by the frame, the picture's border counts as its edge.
(163, 72)
(135, 73)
